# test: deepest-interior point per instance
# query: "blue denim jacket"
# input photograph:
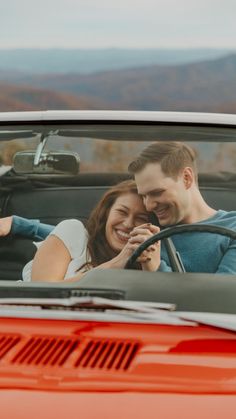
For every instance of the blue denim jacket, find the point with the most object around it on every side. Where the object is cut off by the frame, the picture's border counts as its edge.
(33, 229)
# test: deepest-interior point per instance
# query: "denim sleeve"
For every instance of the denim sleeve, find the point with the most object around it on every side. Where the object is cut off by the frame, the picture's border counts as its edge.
(30, 228)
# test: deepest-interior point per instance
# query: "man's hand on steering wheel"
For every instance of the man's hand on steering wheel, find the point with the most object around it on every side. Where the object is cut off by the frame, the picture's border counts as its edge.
(179, 229)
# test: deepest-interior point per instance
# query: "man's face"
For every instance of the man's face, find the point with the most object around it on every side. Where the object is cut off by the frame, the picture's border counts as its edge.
(167, 197)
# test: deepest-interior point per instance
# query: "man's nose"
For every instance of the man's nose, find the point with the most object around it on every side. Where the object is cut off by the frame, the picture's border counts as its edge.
(149, 203)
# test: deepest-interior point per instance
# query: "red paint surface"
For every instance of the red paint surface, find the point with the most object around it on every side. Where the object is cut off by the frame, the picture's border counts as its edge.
(176, 372)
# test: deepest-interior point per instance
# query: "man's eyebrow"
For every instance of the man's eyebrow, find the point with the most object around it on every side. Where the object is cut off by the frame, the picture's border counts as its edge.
(152, 191)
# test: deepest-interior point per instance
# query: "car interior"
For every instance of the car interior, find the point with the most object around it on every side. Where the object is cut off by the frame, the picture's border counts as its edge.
(43, 202)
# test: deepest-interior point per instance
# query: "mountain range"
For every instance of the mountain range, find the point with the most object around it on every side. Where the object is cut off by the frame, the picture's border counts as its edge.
(207, 85)
(88, 61)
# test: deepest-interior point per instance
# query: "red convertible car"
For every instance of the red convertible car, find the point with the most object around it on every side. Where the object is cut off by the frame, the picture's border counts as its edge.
(117, 343)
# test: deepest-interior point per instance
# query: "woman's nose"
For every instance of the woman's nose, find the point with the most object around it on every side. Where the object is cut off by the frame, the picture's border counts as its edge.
(129, 222)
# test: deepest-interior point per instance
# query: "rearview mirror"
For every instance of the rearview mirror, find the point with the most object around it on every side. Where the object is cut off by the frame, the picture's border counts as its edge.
(50, 163)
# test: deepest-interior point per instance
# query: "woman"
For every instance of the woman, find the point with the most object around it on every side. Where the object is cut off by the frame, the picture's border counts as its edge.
(116, 227)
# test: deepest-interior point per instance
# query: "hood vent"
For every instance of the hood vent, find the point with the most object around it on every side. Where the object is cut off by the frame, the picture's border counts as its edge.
(108, 355)
(60, 351)
(46, 351)
(7, 342)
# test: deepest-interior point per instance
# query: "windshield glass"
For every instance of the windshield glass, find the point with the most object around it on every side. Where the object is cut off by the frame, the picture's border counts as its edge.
(101, 152)
(109, 148)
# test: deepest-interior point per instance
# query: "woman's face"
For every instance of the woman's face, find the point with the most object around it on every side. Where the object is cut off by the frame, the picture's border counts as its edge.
(126, 213)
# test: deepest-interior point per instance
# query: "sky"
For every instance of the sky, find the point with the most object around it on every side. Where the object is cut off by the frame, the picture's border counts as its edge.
(117, 24)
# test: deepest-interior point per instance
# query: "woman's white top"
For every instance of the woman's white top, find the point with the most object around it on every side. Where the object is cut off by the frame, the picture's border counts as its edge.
(75, 238)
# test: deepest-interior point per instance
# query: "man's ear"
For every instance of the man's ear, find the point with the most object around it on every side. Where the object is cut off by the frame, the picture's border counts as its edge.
(188, 177)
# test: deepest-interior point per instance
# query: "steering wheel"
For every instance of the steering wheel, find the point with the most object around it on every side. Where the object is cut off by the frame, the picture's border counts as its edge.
(178, 229)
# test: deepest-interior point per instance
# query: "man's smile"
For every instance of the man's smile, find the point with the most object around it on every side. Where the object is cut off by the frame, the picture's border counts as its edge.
(162, 211)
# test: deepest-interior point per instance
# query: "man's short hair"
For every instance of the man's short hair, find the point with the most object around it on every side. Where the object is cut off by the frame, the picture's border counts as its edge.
(172, 156)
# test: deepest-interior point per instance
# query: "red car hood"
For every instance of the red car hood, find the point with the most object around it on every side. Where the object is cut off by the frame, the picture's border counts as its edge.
(24, 404)
(51, 368)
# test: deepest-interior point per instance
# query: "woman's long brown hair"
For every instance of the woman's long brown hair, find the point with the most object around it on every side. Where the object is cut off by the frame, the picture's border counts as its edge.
(98, 247)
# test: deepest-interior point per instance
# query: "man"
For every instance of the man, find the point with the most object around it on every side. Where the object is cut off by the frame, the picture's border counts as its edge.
(167, 179)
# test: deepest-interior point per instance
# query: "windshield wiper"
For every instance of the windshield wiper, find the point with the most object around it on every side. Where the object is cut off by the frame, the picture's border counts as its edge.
(216, 320)
(93, 308)
(89, 303)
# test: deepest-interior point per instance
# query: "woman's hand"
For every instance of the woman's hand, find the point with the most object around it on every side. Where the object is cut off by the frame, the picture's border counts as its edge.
(119, 261)
(5, 225)
(151, 257)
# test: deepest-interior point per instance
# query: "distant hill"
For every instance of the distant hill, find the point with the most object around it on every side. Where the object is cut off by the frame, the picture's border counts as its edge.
(203, 86)
(84, 61)
(25, 98)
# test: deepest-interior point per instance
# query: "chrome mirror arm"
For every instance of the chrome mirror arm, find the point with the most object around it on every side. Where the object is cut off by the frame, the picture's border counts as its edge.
(39, 150)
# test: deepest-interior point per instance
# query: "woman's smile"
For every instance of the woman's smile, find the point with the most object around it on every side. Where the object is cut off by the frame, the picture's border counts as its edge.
(126, 213)
(122, 235)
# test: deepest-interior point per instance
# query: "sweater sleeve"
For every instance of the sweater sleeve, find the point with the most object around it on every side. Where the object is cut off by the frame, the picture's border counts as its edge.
(31, 228)
(227, 264)
(164, 267)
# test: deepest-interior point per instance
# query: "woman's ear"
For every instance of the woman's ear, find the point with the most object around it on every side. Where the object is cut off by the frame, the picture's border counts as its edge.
(188, 177)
